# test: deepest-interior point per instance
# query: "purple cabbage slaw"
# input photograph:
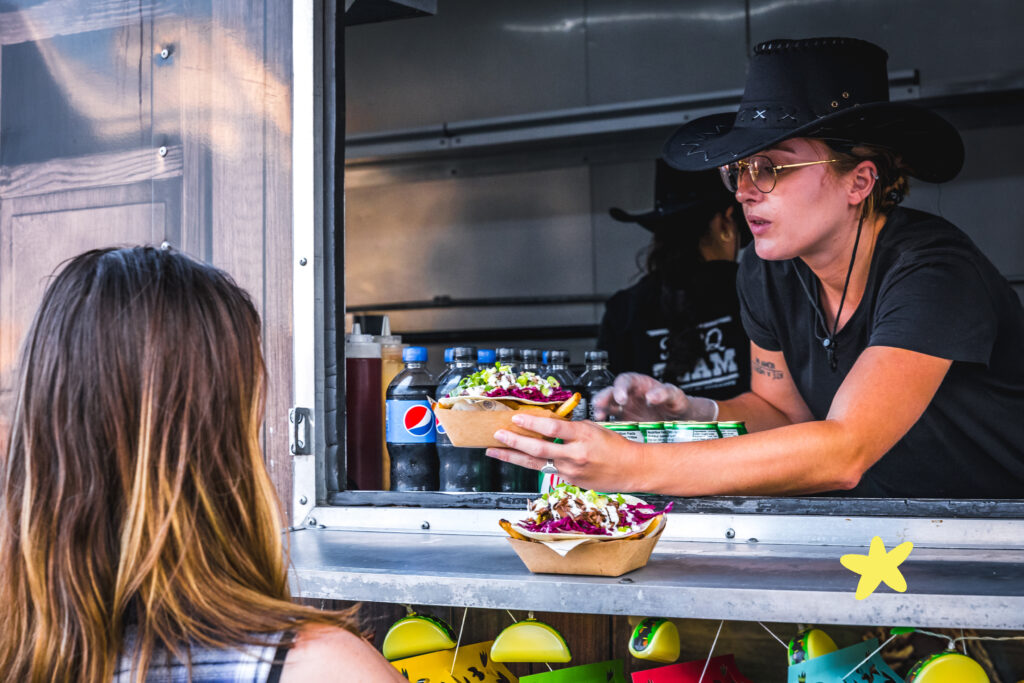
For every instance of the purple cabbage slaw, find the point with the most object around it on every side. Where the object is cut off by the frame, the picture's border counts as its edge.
(531, 394)
(630, 513)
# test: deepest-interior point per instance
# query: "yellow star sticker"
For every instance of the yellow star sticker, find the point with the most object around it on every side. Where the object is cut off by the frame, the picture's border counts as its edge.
(878, 566)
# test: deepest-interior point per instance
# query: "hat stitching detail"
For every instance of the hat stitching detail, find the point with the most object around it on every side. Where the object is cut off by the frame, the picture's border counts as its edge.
(696, 151)
(766, 114)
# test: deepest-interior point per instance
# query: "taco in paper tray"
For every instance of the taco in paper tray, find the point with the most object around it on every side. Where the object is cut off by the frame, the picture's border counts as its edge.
(569, 512)
(485, 402)
(498, 388)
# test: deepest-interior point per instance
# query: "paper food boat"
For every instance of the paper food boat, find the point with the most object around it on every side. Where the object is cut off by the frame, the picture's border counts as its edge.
(593, 556)
(475, 428)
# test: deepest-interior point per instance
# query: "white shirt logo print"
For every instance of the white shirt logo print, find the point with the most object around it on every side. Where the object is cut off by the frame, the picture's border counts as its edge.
(718, 366)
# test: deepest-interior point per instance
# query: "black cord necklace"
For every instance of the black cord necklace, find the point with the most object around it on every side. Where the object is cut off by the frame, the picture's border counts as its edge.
(829, 340)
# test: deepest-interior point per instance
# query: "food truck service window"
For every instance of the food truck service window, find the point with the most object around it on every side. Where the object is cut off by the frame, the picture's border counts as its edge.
(468, 212)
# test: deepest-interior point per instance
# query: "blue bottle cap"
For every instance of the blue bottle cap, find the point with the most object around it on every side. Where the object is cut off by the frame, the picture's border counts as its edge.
(448, 354)
(485, 356)
(414, 354)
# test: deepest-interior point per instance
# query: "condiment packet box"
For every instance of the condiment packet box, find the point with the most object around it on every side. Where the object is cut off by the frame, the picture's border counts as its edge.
(475, 428)
(593, 557)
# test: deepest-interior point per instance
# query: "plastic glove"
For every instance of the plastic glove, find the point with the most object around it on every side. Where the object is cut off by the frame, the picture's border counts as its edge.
(638, 397)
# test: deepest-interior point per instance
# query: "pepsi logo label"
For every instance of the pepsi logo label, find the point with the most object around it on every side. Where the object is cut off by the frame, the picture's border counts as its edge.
(418, 420)
(409, 422)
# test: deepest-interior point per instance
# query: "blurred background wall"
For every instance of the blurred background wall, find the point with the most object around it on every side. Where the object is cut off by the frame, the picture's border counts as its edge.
(486, 143)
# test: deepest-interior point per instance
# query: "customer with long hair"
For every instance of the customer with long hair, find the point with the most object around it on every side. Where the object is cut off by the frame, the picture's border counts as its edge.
(140, 534)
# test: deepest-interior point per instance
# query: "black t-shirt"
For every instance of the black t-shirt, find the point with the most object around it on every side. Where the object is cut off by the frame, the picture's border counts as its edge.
(635, 331)
(932, 291)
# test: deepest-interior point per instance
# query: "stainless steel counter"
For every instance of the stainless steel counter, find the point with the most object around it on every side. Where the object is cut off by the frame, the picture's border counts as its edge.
(965, 587)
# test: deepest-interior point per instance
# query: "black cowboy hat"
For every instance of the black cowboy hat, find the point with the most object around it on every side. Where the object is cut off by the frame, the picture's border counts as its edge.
(830, 88)
(677, 193)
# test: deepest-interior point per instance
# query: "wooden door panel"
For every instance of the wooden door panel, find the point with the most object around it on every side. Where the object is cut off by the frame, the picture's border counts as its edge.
(38, 233)
(207, 163)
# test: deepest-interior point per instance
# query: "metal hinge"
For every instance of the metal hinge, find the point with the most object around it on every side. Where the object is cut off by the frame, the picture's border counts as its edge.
(300, 432)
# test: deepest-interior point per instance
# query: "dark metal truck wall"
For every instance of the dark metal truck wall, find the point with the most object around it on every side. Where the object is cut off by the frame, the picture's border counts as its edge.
(510, 128)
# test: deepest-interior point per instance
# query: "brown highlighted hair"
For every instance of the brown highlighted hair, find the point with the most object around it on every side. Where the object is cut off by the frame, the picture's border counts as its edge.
(134, 490)
(890, 187)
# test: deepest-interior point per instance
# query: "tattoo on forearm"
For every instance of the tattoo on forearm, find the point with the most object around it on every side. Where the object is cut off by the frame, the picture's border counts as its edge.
(767, 368)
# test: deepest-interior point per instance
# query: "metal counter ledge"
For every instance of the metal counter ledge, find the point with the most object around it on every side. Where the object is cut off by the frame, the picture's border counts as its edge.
(964, 573)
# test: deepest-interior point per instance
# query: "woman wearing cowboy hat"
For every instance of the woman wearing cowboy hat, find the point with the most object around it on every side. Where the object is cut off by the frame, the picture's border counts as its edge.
(886, 350)
(681, 322)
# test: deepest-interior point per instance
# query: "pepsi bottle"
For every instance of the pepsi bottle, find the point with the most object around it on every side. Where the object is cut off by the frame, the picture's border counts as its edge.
(409, 431)
(448, 363)
(596, 377)
(558, 367)
(531, 361)
(485, 359)
(508, 477)
(460, 469)
(508, 356)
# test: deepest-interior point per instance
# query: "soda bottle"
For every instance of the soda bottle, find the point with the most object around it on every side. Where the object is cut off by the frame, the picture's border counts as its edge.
(558, 367)
(595, 377)
(508, 356)
(485, 358)
(531, 361)
(448, 363)
(460, 469)
(409, 425)
(362, 411)
(511, 477)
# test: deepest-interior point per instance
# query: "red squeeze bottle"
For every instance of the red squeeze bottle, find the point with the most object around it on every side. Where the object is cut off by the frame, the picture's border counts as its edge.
(363, 419)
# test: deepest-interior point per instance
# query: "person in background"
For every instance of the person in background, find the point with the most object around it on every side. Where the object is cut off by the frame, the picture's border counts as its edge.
(885, 347)
(681, 322)
(140, 535)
